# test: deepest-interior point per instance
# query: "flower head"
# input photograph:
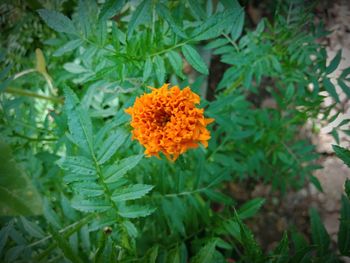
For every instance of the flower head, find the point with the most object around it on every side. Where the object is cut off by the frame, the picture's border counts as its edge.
(167, 120)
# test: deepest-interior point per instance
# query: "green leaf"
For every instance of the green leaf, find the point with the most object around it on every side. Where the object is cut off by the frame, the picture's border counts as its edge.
(344, 87)
(176, 63)
(218, 197)
(88, 189)
(74, 68)
(51, 216)
(195, 59)
(196, 9)
(79, 123)
(69, 46)
(65, 247)
(160, 69)
(319, 234)
(131, 228)
(206, 253)
(139, 16)
(281, 252)
(90, 205)
(77, 165)
(164, 12)
(347, 187)
(214, 26)
(344, 227)
(147, 70)
(238, 25)
(334, 63)
(134, 211)
(314, 180)
(250, 208)
(5, 71)
(57, 21)
(32, 229)
(17, 194)
(131, 192)
(110, 9)
(252, 250)
(110, 146)
(4, 234)
(219, 42)
(123, 167)
(331, 89)
(342, 153)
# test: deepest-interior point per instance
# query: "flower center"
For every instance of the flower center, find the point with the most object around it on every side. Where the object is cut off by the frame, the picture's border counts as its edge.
(162, 118)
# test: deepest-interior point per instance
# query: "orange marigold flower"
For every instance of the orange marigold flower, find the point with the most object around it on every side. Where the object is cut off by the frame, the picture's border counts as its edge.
(167, 120)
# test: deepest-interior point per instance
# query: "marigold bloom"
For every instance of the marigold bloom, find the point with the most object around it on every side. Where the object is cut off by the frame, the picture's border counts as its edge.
(167, 120)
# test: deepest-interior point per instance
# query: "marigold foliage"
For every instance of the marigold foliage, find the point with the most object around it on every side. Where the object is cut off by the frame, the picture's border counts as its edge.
(168, 121)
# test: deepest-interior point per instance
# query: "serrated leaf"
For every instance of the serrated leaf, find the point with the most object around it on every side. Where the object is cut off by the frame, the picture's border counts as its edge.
(74, 68)
(79, 123)
(160, 69)
(51, 216)
(214, 26)
(110, 9)
(219, 42)
(147, 70)
(69, 46)
(88, 189)
(314, 180)
(32, 229)
(334, 63)
(195, 59)
(218, 197)
(176, 62)
(90, 205)
(250, 208)
(57, 21)
(77, 165)
(139, 16)
(328, 85)
(281, 252)
(134, 211)
(342, 153)
(319, 233)
(17, 194)
(131, 228)
(344, 87)
(110, 146)
(124, 166)
(238, 26)
(4, 234)
(344, 227)
(131, 192)
(252, 250)
(206, 253)
(164, 12)
(196, 9)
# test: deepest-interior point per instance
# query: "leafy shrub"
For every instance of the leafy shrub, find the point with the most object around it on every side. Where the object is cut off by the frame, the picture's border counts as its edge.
(75, 186)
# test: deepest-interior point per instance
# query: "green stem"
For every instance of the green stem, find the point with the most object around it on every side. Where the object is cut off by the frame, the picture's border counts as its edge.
(25, 93)
(33, 139)
(67, 231)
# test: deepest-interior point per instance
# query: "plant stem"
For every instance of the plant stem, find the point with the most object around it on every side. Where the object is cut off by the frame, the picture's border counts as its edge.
(26, 93)
(24, 72)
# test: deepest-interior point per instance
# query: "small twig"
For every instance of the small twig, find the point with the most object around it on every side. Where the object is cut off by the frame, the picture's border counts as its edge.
(26, 93)
(231, 41)
(24, 72)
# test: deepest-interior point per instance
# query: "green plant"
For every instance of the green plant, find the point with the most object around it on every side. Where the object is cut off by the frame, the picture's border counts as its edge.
(84, 191)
